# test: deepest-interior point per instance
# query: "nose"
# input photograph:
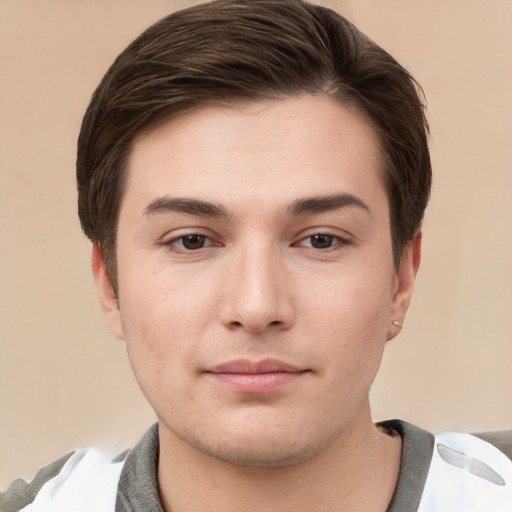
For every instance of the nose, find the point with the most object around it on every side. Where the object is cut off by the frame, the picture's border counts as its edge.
(257, 294)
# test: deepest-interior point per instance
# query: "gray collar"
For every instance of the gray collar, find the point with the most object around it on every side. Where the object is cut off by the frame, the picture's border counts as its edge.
(138, 485)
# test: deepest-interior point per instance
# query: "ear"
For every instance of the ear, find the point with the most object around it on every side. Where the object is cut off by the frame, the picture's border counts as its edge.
(106, 292)
(405, 276)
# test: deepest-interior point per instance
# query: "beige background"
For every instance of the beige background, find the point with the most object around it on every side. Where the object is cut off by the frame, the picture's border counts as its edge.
(65, 382)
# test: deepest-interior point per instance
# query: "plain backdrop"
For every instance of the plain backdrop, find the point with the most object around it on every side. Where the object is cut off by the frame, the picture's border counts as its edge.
(65, 382)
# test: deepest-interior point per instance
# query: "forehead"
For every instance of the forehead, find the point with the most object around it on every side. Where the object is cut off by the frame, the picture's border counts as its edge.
(274, 150)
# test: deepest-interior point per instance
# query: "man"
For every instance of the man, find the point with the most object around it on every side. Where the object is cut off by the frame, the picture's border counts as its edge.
(253, 175)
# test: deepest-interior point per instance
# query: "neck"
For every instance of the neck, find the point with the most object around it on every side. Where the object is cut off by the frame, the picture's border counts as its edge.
(357, 472)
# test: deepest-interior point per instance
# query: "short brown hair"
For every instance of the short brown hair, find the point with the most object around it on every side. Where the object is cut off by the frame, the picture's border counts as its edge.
(238, 50)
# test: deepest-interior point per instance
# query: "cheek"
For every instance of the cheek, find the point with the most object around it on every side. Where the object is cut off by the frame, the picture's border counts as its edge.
(170, 300)
(350, 301)
(349, 320)
(164, 316)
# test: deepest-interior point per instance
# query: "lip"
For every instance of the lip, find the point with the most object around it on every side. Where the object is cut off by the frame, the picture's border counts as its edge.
(267, 365)
(256, 377)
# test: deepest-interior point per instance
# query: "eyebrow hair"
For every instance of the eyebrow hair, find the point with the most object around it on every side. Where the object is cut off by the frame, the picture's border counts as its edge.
(325, 203)
(185, 205)
(303, 206)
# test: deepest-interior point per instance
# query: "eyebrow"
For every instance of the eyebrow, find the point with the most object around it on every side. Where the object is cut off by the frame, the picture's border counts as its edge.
(168, 204)
(321, 204)
(303, 206)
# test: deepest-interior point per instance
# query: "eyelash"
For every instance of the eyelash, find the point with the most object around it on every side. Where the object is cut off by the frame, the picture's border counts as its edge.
(173, 243)
(177, 244)
(337, 241)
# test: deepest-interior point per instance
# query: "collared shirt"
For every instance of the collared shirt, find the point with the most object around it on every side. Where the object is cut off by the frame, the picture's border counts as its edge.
(138, 489)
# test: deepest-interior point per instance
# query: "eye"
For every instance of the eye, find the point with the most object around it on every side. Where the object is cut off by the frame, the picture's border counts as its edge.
(191, 242)
(323, 241)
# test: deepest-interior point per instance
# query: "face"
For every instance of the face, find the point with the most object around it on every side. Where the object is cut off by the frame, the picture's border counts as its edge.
(256, 277)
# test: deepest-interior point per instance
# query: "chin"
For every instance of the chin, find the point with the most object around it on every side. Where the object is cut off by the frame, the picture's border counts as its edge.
(267, 446)
(260, 454)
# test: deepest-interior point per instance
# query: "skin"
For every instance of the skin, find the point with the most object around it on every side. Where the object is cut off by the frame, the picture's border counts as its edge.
(223, 255)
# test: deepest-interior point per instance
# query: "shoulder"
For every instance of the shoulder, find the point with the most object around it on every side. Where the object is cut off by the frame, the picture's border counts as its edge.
(501, 439)
(66, 484)
(437, 468)
(466, 469)
(20, 493)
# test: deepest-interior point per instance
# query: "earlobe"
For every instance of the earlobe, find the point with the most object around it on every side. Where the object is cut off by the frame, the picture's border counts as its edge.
(106, 293)
(405, 276)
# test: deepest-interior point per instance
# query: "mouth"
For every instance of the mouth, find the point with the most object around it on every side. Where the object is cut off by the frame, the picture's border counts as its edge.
(256, 377)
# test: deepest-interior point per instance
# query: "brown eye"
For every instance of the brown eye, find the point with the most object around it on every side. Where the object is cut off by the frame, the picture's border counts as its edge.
(188, 244)
(193, 242)
(321, 241)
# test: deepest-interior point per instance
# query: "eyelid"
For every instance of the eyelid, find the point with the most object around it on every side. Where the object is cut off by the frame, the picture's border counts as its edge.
(338, 242)
(184, 249)
(169, 241)
(337, 233)
(176, 234)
